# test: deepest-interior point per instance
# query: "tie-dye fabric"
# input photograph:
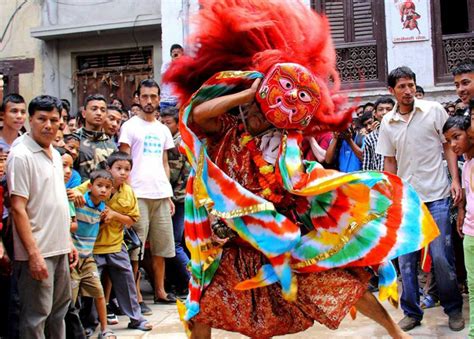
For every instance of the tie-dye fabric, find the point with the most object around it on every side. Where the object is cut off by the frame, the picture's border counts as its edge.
(357, 219)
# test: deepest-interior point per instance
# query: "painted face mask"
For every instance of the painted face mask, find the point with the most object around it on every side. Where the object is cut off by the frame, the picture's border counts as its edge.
(288, 96)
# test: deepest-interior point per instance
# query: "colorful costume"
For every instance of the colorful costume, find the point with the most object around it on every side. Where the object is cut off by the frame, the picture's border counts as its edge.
(297, 217)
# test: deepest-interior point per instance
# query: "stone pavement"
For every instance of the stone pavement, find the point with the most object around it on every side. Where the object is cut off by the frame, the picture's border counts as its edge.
(167, 325)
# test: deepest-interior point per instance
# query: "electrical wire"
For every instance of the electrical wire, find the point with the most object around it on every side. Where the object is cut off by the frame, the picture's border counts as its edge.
(135, 38)
(11, 20)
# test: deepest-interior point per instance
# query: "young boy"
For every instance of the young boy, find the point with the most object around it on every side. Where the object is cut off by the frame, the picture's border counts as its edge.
(109, 250)
(85, 279)
(456, 131)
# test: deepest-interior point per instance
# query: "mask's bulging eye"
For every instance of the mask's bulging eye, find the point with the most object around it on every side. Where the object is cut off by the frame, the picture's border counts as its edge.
(304, 96)
(286, 83)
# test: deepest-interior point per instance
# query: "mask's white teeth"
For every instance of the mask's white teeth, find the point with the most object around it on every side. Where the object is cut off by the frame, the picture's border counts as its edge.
(278, 104)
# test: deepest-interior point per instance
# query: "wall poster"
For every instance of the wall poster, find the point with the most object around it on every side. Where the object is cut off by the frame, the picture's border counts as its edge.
(409, 20)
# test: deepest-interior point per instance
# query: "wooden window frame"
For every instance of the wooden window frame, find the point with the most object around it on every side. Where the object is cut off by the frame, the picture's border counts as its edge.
(380, 42)
(442, 75)
(11, 69)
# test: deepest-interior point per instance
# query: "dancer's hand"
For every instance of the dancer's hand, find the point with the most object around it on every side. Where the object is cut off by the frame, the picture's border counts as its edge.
(249, 94)
(206, 114)
(217, 240)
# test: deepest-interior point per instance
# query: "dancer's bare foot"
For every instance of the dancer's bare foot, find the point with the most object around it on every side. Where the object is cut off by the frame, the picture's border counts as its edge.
(369, 306)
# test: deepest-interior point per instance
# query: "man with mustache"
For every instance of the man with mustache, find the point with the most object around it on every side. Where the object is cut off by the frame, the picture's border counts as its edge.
(147, 140)
(411, 141)
(43, 249)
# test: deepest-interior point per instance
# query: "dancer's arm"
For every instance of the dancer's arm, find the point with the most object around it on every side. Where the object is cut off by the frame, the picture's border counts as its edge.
(206, 114)
(318, 151)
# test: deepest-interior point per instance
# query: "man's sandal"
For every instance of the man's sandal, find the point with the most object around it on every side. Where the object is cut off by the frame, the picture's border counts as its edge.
(142, 326)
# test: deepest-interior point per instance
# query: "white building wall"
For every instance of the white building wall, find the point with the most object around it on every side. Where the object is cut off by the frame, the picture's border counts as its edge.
(87, 12)
(173, 24)
(418, 55)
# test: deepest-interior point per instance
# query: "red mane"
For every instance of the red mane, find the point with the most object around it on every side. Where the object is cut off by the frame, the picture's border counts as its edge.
(254, 35)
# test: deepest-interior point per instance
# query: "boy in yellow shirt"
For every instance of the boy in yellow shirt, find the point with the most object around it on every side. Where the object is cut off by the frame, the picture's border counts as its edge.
(109, 250)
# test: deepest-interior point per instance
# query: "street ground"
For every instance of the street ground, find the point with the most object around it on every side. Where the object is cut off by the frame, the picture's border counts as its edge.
(166, 324)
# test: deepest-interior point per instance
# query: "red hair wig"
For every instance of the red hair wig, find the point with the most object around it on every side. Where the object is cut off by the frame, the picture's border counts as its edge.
(255, 35)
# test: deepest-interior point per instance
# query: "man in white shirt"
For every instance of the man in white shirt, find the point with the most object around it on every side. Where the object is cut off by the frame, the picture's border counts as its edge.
(148, 140)
(40, 210)
(412, 143)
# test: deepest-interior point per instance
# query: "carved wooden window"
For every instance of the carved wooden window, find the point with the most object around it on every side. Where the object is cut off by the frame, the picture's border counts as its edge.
(453, 35)
(358, 31)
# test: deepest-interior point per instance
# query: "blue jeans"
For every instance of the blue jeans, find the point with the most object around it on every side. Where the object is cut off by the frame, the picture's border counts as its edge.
(442, 255)
(180, 261)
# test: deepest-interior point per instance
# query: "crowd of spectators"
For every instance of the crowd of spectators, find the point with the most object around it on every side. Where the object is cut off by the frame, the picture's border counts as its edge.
(88, 198)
